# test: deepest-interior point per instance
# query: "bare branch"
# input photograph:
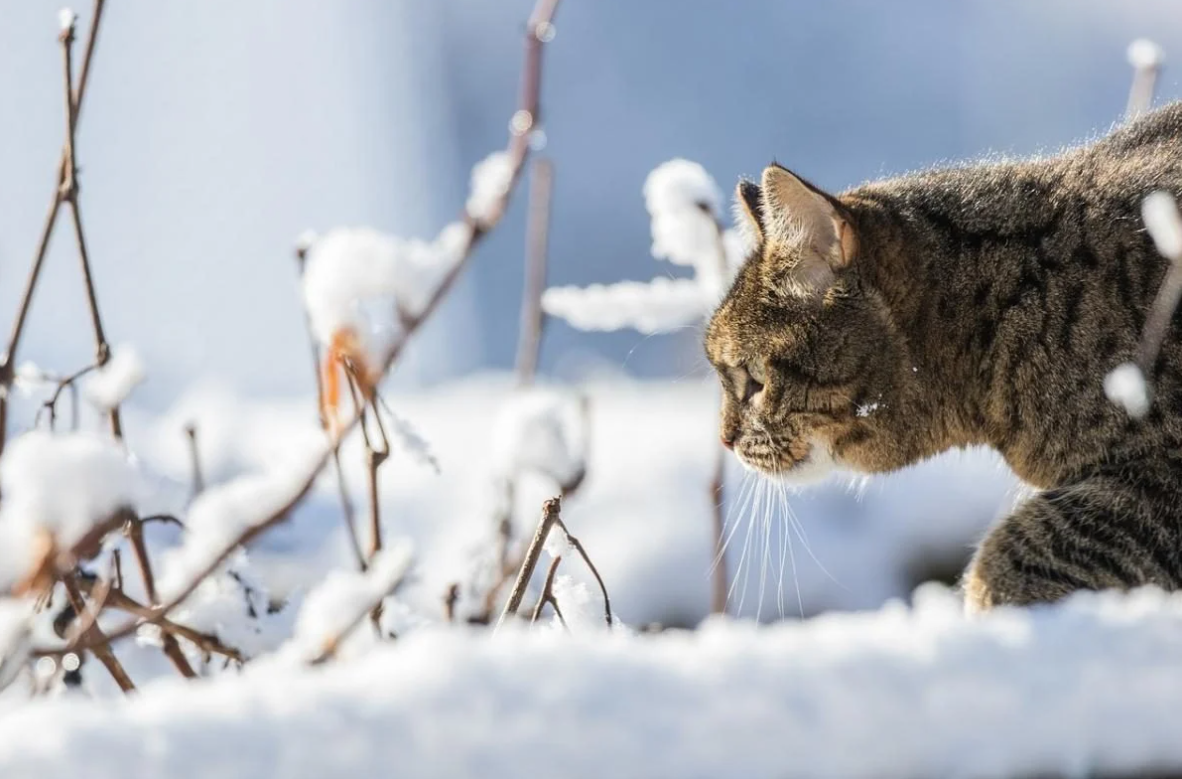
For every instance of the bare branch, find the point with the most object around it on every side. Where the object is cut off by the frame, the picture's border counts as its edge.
(537, 234)
(195, 461)
(94, 636)
(578, 546)
(719, 578)
(547, 595)
(135, 534)
(450, 598)
(550, 514)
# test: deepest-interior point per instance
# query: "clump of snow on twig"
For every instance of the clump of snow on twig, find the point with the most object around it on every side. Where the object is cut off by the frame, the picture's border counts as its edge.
(1144, 54)
(1125, 386)
(658, 306)
(110, 385)
(366, 283)
(222, 514)
(1164, 224)
(344, 597)
(29, 376)
(60, 487)
(491, 179)
(543, 430)
(684, 203)
(67, 18)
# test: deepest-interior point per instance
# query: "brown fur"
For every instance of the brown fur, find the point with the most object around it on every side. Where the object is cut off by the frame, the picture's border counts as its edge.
(973, 305)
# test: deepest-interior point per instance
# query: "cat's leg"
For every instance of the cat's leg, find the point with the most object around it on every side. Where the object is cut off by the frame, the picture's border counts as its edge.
(1114, 531)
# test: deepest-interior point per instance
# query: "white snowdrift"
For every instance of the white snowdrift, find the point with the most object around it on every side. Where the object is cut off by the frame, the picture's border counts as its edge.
(1089, 687)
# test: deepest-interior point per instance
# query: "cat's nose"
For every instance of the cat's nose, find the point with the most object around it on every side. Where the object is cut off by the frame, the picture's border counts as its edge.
(728, 442)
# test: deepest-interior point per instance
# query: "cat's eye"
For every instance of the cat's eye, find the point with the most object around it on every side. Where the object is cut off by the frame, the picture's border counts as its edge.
(755, 378)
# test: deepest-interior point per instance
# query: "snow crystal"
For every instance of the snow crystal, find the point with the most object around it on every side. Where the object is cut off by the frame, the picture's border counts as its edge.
(1144, 54)
(66, 18)
(1125, 386)
(345, 596)
(61, 485)
(109, 386)
(411, 442)
(362, 282)
(684, 202)
(491, 179)
(580, 609)
(866, 409)
(542, 430)
(658, 306)
(1160, 213)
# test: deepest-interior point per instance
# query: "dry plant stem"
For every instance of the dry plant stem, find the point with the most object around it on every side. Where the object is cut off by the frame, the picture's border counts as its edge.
(450, 598)
(195, 461)
(1158, 323)
(719, 579)
(519, 147)
(551, 511)
(9, 357)
(547, 595)
(529, 344)
(1141, 92)
(578, 546)
(69, 193)
(50, 405)
(518, 150)
(172, 650)
(94, 636)
(347, 513)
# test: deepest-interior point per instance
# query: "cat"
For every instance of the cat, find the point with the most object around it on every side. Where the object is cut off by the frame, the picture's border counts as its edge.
(974, 305)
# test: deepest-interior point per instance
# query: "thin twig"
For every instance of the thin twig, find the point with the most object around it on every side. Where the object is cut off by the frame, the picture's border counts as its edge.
(533, 318)
(8, 359)
(547, 595)
(551, 510)
(1145, 75)
(135, 534)
(198, 477)
(450, 598)
(578, 546)
(719, 577)
(97, 640)
(50, 405)
(69, 193)
(347, 512)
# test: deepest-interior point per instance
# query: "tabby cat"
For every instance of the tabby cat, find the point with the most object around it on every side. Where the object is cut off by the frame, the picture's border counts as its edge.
(972, 305)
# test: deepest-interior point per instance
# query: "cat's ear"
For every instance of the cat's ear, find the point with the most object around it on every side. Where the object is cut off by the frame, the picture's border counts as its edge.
(749, 209)
(798, 215)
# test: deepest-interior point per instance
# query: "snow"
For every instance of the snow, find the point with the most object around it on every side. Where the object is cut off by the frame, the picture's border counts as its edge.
(542, 430)
(1144, 54)
(67, 18)
(221, 514)
(1160, 213)
(1088, 687)
(57, 487)
(29, 376)
(1125, 386)
(491, 179)
(684, 204)
(109, 386)
(361, 285)
(345, 597)
(658, 306)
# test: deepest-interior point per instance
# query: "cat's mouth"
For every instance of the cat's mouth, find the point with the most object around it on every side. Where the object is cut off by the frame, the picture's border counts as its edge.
(812, 465)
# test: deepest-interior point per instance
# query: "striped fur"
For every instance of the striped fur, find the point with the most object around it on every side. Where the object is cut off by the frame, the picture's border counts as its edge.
(984, 305)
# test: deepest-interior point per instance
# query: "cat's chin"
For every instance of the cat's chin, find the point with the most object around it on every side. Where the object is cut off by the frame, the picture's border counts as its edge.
(814, 469)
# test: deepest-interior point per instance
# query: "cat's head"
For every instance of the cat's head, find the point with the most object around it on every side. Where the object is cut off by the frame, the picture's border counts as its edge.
(803, 346)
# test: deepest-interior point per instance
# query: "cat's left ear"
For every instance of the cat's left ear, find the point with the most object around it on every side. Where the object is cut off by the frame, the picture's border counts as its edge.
(794, 213)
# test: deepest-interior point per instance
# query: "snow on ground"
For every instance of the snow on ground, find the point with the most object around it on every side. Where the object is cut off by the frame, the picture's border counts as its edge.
(643, 512)
(1089, 688)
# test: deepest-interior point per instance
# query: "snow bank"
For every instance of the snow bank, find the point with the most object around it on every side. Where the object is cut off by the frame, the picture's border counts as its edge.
(1090, 687)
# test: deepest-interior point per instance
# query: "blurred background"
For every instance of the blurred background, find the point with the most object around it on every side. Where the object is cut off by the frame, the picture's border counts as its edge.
(215, 132)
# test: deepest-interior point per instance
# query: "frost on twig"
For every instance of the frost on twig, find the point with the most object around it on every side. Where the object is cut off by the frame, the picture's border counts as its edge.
(1128, 385)
(685, 205)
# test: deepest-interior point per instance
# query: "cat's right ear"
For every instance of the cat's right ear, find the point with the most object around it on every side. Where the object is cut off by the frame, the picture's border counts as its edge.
(749, 204)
